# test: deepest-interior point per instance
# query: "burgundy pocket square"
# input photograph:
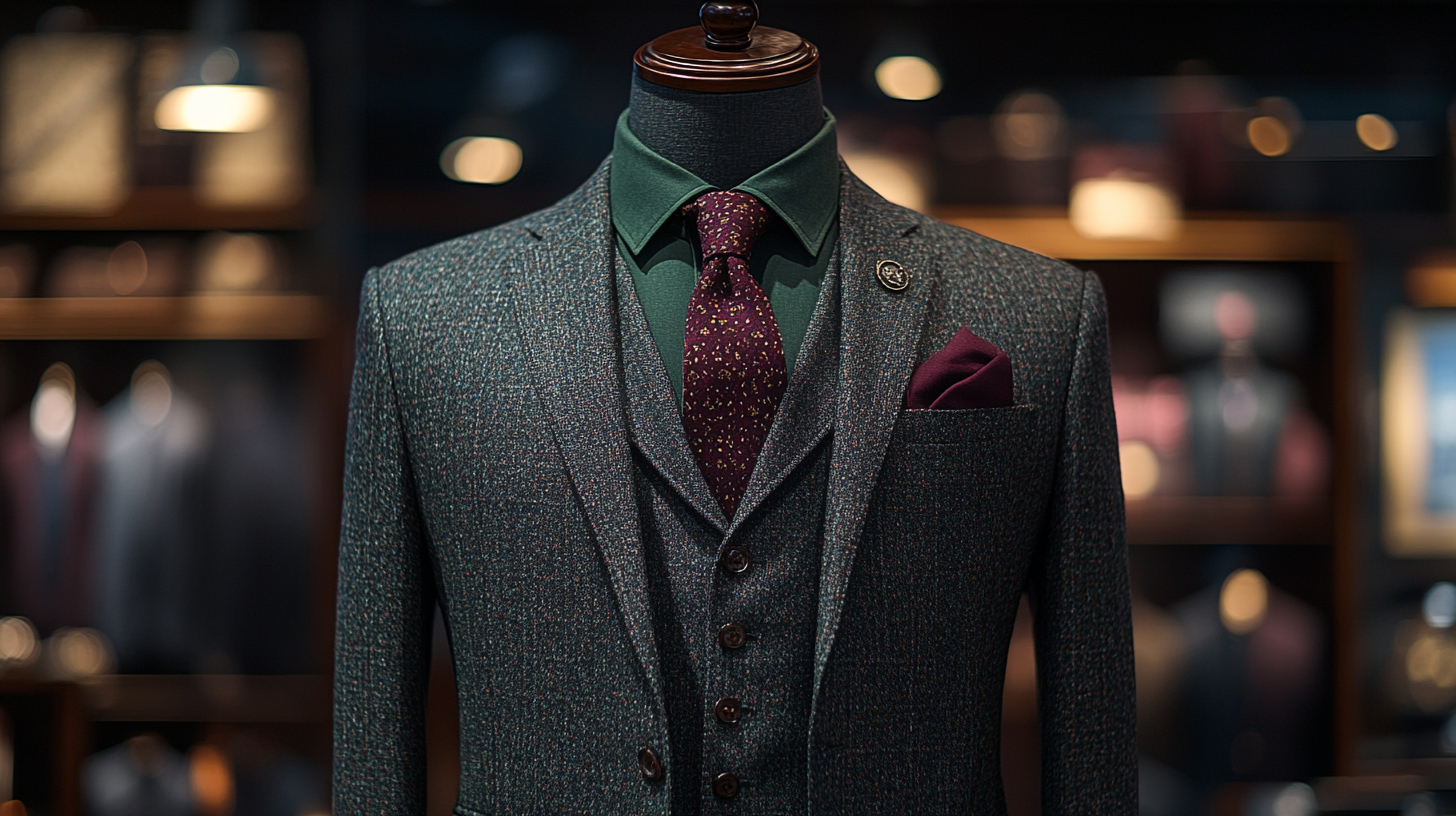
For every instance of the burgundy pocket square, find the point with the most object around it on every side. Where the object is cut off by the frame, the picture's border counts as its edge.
(968, 373)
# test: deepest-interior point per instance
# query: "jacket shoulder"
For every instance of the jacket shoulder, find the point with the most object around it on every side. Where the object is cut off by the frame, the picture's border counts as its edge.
(971, 266)
(473, 265)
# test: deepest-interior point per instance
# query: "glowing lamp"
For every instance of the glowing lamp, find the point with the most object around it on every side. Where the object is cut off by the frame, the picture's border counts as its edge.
(216, 108)
(217, 91)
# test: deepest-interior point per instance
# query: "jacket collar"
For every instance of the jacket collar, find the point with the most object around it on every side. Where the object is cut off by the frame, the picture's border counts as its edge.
(647, 189)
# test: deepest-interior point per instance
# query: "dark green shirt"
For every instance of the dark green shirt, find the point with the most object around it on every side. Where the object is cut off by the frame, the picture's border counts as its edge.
(661, 249)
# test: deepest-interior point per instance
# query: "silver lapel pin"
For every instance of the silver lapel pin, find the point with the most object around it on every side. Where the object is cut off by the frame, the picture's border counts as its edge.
(892, 275)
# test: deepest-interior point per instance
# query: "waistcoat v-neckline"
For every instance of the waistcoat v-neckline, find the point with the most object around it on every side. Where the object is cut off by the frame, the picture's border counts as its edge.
(805, 416)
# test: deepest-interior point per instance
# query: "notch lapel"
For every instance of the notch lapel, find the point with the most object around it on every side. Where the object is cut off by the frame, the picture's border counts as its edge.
(568, 327)
(807, 413)
(879, 333)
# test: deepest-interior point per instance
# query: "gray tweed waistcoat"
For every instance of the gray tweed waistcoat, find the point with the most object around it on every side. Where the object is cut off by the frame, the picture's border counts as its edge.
(775, 600)
(491, 468)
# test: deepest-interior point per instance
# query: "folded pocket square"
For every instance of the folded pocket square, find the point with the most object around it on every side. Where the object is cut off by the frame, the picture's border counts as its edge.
(968, 373)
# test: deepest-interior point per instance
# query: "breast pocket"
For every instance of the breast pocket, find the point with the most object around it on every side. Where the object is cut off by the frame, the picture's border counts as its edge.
(974, 477)
(969, 426)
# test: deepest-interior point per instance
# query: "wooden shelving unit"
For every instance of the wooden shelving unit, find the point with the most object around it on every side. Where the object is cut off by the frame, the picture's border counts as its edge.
(210, 698)
(172, 209)
(1229, 520)
(1208, 237)
(201, 317)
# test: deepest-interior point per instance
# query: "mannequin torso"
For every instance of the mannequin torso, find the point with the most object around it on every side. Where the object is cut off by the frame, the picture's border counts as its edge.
(724, 138)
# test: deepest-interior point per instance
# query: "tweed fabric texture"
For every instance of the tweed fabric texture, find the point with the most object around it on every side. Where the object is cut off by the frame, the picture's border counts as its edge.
(775, 600)
(733, 357)
(490, 466)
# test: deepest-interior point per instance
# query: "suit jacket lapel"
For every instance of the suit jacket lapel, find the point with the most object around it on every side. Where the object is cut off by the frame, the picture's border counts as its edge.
(879, 332)
(807, 412)
(569, 328)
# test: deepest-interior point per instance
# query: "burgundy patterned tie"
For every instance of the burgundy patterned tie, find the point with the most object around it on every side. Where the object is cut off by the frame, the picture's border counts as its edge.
(733, 357)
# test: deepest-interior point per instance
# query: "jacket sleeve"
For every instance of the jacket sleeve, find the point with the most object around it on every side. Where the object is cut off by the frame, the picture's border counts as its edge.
(1080, 598)
(386, 596)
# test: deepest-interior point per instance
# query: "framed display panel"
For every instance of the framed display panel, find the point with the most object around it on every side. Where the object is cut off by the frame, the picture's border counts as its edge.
(1418, 434)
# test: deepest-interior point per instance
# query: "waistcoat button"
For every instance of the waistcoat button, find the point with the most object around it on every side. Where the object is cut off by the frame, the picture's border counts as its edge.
(732, 636)
(734, 560)
(725, 786)
(649, 765)
(728, 710)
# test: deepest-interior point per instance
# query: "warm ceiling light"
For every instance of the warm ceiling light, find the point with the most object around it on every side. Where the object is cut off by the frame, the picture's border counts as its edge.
(910, 78)
(482, 159)
(1243, 602)
(216, 108)
(1376, 132)
(1124, 208)
(1269, 136)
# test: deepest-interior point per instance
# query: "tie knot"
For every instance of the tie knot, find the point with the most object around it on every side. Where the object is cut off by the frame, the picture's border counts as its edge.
(728, 222)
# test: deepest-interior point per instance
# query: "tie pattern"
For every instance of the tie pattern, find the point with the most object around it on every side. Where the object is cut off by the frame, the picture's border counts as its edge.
(733, 357)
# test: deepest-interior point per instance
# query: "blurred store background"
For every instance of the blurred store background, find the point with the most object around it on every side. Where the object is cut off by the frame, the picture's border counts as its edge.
(190, 193)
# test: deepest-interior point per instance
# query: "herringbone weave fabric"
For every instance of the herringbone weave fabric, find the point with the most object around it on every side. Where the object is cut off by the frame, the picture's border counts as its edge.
(733, 357)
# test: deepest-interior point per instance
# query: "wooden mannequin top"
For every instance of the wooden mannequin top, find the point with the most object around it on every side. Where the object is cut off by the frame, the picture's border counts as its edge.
(729, 52)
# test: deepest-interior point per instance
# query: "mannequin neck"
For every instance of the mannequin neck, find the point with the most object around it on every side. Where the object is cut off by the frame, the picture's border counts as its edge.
(725, 138)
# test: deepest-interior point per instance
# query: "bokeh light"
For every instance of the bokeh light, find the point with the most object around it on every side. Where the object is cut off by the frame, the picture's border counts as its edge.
(53, 411)
(1140, 469)
(1243, 602)
(912, 78)
(212, 780)
(1125, 208)
(1439, 606)
(1376, 132)
(79, 652)
(1269, 136)
(482, 160)
(216, 108)
(18, 641)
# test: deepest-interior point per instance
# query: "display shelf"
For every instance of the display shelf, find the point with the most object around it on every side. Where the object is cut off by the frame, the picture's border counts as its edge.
(1206, 237)
(208, 698)
(1228, 520)
(201, 317)
(170, 209)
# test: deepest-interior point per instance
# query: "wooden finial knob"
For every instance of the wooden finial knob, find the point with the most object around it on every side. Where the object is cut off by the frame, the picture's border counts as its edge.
(728, 26)
(730, 52)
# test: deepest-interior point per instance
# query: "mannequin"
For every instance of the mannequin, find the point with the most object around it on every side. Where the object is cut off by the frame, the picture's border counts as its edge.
(728, 99)
(833, 638)
(704, 132)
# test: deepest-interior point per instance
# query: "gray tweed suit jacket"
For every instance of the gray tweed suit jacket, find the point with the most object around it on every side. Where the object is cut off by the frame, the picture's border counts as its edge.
(489, 469)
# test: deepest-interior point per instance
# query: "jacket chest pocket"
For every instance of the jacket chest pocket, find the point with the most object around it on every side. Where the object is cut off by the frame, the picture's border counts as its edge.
(975, 477)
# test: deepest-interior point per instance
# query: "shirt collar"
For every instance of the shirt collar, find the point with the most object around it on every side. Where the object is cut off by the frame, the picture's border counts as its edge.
(802, 187)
